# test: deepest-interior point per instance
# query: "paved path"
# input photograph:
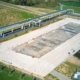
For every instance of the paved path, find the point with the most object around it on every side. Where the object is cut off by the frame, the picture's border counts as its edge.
(59, 76)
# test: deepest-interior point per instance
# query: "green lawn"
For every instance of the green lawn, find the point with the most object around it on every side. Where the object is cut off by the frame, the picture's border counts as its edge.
(11, 16)
(4, 75)
(26, 15)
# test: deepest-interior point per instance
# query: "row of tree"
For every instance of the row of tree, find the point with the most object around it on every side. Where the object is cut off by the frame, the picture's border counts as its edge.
(34, 2)
(29, 2)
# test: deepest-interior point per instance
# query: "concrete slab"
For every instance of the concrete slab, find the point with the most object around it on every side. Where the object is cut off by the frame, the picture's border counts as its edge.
(54, 55)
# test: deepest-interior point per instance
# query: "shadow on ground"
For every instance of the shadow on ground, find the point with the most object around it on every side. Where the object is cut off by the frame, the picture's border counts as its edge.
(77, 54)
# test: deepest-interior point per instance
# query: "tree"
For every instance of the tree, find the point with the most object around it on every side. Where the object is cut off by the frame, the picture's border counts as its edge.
(16, 1)
(30, 2)
(6, 0)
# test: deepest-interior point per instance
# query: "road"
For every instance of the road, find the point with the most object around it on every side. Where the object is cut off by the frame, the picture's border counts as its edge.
(59, 75)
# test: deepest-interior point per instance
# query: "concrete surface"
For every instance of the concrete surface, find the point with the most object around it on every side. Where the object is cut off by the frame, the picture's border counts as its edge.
(59, 76)
(46, 63)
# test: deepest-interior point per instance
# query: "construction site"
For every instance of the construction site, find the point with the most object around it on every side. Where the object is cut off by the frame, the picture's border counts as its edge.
(39, 51)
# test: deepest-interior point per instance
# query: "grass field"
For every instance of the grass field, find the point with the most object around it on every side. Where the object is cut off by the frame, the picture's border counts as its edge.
(50, 77)
(10, 16)
(5, 75)
(68, 68)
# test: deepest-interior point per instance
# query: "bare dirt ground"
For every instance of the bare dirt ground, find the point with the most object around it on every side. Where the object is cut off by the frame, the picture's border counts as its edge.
(37, 10)
(74, 60)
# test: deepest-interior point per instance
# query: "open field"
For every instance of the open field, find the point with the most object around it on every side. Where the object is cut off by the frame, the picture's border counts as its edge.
(46, 8)
(10, 16)
(33, 10)
(67, 5)
(5, 75)
(38, 11)
(69, 67)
